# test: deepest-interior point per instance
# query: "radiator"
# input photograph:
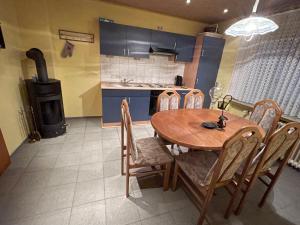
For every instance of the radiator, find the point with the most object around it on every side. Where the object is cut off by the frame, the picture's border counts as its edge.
(295, 159)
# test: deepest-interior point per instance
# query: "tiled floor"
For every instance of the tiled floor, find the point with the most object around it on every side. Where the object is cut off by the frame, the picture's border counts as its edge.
(75, 180)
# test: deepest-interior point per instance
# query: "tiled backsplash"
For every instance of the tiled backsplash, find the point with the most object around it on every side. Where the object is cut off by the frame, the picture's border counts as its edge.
(156, 69)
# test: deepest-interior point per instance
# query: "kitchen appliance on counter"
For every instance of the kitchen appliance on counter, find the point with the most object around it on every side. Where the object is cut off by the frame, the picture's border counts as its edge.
(178, 80)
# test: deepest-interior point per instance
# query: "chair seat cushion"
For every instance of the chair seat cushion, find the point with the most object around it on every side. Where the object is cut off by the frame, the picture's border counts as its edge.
(152, 151)
(198, 166)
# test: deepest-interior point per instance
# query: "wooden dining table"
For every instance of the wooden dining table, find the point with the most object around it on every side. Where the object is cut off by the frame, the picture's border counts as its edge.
(184, 127)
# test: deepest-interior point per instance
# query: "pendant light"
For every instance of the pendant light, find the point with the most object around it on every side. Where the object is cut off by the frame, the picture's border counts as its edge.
(252, 25)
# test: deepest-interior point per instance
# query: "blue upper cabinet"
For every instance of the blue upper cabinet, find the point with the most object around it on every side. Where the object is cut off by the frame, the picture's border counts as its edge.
(211, 54)
(161, 39)
(138, 42)
(112, 39)
(185, 48)
(122, 40)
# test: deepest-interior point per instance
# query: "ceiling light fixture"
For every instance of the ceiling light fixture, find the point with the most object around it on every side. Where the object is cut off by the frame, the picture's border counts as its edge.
(225, 11)
(188, 2)
(252, 25)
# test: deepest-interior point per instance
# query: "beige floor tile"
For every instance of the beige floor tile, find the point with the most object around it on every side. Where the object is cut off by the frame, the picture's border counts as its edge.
(150, 202)
(121, 211)
(112, 168)
(90, 171)
(165, 219)
(63, 175)
(89, 191)
(89, 214)
(57, 197)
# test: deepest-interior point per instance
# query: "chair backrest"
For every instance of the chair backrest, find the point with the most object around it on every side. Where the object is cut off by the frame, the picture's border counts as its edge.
(127, 126)
(266, 113)
(280, 145)
(194, 99)
(168, 100)
(237, 150)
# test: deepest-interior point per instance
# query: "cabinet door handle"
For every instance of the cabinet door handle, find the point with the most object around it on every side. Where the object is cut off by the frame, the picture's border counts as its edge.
(124, 51)
(129, 100)
(197, 81)
(175, 44)
(202, 53)
(128, 52)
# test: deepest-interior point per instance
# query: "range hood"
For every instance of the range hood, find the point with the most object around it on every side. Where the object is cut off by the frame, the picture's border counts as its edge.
(162, 51)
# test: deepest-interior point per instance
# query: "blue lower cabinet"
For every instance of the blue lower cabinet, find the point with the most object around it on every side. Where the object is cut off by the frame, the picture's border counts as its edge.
(138, 101)
(111, 109)
(182, 96)
(139, 108)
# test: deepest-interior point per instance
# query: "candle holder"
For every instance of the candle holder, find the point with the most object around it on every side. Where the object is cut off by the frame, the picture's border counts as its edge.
(222, 105)
(222, 119)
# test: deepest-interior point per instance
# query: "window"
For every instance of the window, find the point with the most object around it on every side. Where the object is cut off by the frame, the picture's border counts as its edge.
(268, 66)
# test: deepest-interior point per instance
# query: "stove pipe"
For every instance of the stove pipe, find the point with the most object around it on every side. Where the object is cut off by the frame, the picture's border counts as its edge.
(40, 63)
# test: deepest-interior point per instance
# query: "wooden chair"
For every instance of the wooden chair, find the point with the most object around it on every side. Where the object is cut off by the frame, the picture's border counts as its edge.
(194, 99)
(266, 113)
(204, 171)
(281, 144)
(146, 152)
(168, 100)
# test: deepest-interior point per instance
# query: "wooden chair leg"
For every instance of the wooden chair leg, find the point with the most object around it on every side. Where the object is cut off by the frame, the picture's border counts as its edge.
(248, 185)
(267, 192)
(122, 163)
(127, 182)
(167, 176)
(175, 177)
(204, 208)
(231, 203)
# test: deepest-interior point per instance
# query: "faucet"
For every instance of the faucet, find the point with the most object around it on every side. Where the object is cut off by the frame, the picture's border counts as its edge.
(125, 81)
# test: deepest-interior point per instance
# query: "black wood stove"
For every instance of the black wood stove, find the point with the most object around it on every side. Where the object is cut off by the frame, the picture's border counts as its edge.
(45, 98)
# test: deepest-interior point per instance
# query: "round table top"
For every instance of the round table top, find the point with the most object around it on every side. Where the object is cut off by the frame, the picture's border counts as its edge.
(183, 127)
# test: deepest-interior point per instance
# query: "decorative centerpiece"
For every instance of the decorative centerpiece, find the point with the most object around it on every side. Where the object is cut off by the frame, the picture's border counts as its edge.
(215, 94)
(222, 119)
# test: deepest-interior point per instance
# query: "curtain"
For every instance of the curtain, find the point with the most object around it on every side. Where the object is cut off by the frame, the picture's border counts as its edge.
(268, 66)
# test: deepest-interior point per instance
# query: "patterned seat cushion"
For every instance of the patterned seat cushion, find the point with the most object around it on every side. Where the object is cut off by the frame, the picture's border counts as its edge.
(198, 166)
(151, 151)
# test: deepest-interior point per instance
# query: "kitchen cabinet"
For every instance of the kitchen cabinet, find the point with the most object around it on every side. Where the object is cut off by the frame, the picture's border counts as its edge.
(185, 48)
(182, 96)
(210, 59)
(138, 42)
(138, 101)
(112, 39)
(161, 39)
(123, 40)
(202, 72)
(111, 109)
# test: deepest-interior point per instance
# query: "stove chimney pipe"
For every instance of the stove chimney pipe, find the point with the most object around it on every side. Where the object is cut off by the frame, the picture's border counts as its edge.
(40, 63)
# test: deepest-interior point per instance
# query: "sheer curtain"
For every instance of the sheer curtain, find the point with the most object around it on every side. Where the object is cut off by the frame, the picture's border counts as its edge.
(268, 66)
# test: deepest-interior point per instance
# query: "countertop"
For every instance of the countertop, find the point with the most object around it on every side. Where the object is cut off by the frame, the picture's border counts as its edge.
(140, 86)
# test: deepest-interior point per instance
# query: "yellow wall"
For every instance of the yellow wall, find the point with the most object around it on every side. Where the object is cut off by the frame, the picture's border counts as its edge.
(80, 74)
(35, 23)
(11, 122)
(228, 57)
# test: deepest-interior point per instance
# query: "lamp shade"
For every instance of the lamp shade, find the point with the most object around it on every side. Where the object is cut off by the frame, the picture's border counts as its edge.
(251, 26)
